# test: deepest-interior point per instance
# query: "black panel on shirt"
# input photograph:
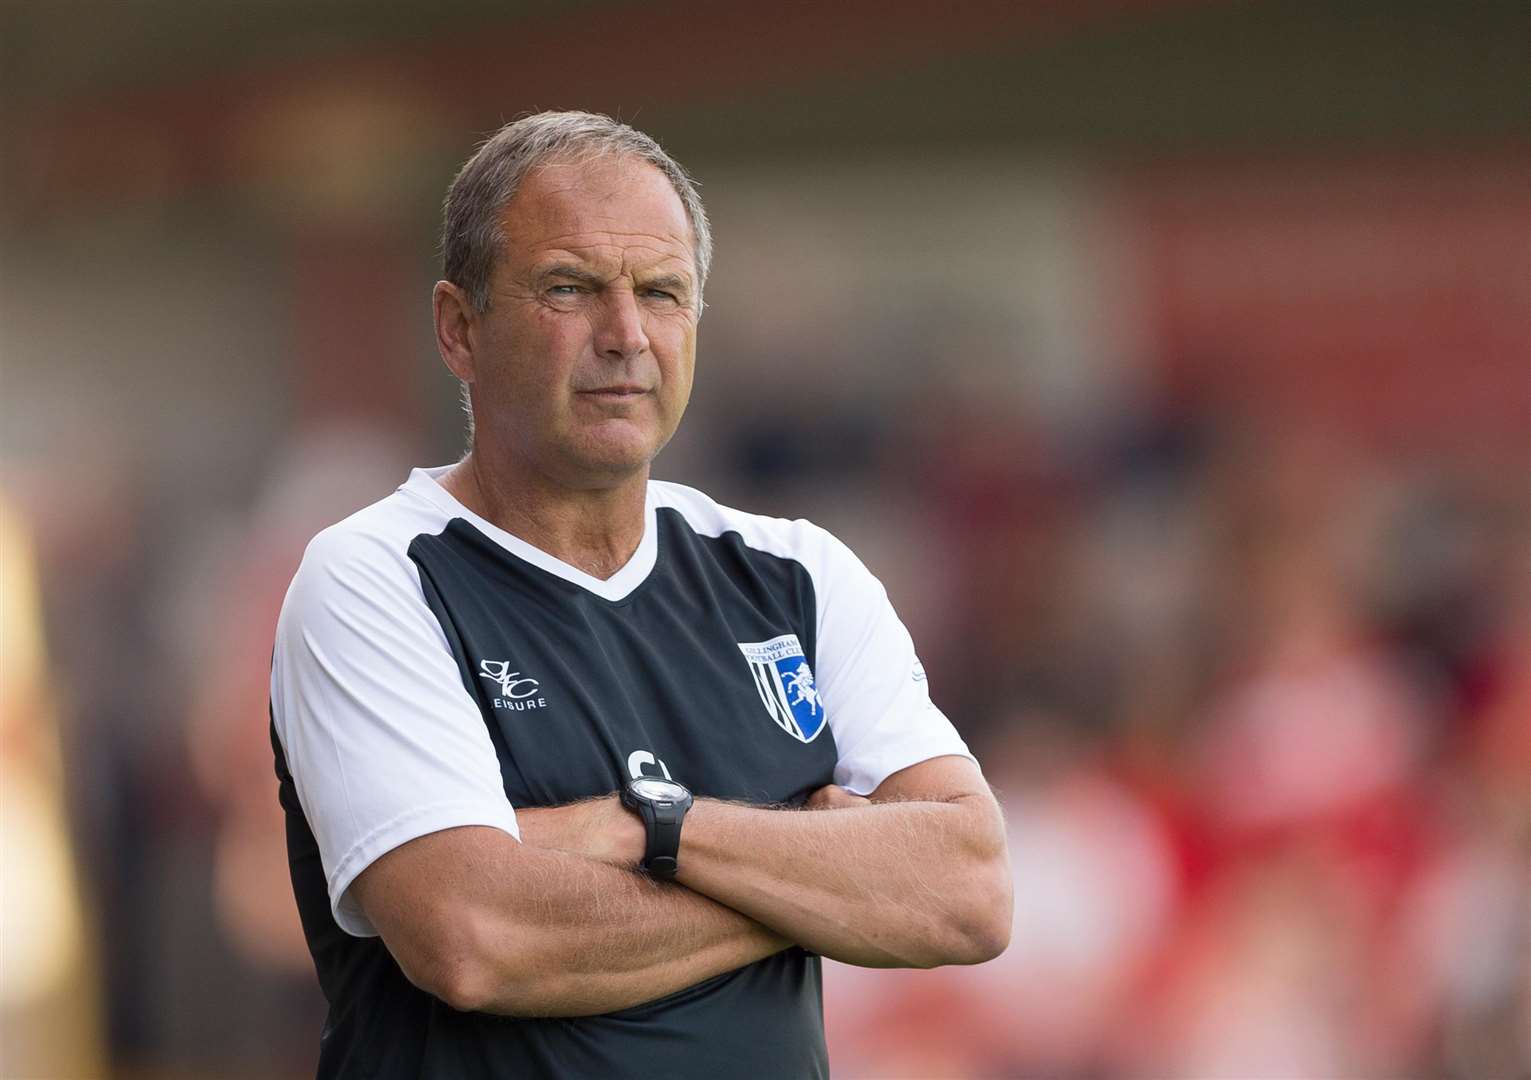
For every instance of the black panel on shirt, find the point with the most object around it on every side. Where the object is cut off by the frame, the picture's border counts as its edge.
(659, 671)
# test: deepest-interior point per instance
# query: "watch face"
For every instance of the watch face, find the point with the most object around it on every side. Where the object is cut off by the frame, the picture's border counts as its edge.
(649, 787)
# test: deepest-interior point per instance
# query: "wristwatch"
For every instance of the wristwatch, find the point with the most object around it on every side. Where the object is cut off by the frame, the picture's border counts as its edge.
(662, 804)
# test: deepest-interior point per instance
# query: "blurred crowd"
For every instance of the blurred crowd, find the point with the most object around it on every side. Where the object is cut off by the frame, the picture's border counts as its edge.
(1258, 704)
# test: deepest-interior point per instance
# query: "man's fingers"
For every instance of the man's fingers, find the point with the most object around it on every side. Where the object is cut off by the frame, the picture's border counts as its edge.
(834, 797)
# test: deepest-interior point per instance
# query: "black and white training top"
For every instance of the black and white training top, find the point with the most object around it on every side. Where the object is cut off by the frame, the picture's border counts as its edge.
(432, 670)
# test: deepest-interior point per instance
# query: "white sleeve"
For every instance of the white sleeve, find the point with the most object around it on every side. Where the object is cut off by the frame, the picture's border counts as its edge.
(383, 742)
(870, 680)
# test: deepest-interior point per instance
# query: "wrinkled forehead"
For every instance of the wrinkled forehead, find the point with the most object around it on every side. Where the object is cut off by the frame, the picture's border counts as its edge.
(597, 207)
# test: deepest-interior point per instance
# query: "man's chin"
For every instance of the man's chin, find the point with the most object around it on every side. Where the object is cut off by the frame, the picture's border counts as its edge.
(603, 468)
(618, 452)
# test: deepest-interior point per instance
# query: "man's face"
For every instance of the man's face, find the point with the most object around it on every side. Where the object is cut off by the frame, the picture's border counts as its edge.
(583, 362)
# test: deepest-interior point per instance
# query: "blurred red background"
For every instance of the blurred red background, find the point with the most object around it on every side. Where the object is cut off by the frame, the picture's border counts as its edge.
(1170, 362)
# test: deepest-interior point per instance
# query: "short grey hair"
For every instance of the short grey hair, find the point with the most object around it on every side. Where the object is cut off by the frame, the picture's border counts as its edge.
(471, 237)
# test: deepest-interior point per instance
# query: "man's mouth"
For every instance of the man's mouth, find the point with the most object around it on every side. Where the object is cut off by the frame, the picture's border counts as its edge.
(616, 392)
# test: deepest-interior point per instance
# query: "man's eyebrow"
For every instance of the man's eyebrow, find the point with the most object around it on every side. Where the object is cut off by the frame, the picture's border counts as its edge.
(671, 281)
(573, 272)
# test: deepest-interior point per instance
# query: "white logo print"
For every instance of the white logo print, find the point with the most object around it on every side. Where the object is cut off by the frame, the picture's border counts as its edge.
(519, 692)
(800, 683)
(639, 758)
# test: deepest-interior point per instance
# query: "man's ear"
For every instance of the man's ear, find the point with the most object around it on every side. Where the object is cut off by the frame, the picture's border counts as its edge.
(454, 329)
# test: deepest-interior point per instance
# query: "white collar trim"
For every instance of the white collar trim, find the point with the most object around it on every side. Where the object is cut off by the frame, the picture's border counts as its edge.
(427, 482)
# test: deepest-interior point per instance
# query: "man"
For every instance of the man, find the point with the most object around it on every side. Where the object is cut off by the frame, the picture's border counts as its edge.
(492, 690)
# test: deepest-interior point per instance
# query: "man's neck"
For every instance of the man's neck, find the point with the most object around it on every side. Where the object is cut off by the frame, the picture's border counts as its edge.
(596, 531)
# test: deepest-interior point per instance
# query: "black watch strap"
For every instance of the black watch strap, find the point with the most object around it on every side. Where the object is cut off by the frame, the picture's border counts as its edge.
(662, 859)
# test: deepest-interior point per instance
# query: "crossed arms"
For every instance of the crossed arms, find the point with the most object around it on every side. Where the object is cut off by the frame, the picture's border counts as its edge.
(560, 924)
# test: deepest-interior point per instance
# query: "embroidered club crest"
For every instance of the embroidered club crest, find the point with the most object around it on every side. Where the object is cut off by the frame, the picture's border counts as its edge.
(785, 684)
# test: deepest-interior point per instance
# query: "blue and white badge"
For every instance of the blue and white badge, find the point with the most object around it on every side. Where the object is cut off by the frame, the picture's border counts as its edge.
(785, 684)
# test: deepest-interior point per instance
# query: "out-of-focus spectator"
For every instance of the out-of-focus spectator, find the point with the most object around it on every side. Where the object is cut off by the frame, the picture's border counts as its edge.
(49, 1006)
(323, 473)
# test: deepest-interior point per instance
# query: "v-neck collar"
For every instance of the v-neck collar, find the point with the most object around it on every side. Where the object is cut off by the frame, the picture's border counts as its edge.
(427, 483)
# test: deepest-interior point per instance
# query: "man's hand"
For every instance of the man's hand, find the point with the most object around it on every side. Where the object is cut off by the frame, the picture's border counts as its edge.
(601, 829)
(834, 797)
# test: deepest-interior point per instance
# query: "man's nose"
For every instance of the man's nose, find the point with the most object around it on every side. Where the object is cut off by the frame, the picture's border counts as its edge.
(620, 334)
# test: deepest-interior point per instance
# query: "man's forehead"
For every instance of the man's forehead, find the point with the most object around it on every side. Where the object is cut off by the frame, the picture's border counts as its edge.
(584, 206)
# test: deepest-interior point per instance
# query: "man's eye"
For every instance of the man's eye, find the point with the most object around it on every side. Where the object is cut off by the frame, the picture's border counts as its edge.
(564, 290)
(661, 294)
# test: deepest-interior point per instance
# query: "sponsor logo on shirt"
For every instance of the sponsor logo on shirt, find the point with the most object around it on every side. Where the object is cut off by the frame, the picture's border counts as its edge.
(517, 691)
(785, 684)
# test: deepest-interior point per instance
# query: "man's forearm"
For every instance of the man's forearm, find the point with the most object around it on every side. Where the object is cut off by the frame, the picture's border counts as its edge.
(916, 877)
(614, 938)
(901, 884)
(512, 928)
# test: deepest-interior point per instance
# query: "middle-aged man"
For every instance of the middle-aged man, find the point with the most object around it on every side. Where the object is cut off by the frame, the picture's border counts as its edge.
(583, 772)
